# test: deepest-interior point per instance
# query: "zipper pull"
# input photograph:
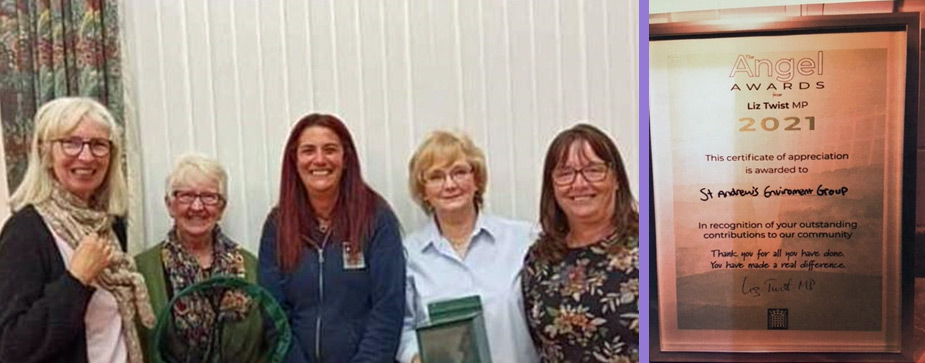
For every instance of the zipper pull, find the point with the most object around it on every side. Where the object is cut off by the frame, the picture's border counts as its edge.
(321, 248)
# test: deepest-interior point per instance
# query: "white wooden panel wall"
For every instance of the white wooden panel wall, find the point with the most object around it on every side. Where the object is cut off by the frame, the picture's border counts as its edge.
(671, 6)
(228, 78)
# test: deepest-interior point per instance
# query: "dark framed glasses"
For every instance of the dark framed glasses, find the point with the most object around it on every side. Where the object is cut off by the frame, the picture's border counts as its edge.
(73, 146)
(591, 173)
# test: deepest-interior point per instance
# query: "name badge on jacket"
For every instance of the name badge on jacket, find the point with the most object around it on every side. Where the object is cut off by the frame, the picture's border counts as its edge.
(357, 262)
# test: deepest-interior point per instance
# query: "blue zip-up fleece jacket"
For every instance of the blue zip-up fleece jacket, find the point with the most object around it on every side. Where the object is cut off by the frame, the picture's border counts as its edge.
(358, 312)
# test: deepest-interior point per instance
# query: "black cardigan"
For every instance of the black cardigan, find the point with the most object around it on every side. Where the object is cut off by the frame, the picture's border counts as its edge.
(42, 306)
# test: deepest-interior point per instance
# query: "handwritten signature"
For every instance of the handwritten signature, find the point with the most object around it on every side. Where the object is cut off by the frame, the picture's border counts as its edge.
(774, 285)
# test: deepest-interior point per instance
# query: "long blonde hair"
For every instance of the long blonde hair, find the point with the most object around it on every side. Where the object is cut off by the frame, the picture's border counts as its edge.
(56, 119)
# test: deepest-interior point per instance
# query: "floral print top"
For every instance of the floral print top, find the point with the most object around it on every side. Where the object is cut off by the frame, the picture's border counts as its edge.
(585, 308)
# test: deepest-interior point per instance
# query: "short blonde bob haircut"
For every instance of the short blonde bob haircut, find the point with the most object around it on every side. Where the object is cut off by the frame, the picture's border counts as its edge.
(192, 165)
(57, 119)
(440, 149)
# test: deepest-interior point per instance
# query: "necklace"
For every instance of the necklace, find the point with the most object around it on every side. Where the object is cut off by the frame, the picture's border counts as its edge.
(324, 224)
(461, 246)
(458, 242)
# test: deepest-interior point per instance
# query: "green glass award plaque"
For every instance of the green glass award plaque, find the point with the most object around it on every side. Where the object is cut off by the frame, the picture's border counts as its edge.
(455, 332)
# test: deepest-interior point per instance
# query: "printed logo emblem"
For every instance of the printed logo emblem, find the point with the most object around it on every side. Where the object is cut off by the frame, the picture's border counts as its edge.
(777, 319)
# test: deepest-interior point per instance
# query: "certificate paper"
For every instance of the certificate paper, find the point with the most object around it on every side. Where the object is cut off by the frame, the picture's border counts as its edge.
(777, 167)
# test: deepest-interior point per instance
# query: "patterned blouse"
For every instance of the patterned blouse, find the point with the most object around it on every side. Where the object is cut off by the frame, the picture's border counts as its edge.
(585, 308)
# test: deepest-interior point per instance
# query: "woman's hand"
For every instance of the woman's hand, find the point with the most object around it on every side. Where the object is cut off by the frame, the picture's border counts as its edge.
(93, 254)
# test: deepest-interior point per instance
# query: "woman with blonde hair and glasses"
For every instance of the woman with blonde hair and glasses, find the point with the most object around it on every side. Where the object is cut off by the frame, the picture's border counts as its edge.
(68, 292)
(462, 250)
(581, 278)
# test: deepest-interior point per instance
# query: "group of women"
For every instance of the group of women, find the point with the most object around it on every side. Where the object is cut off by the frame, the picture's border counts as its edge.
(331, 253)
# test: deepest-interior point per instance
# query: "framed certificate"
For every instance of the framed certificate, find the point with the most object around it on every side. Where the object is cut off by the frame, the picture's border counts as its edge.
(783, 168)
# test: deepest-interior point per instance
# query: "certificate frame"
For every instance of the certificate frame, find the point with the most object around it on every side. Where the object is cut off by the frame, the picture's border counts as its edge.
(907, 23)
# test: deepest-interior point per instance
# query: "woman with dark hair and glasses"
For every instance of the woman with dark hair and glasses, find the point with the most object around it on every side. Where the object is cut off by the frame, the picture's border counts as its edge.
(581, 278)
(68, 292)
(196, 250)
(331, 251)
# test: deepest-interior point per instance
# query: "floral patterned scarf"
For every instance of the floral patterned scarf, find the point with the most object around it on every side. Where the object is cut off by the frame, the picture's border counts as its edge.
(72, 219)
(194, 316)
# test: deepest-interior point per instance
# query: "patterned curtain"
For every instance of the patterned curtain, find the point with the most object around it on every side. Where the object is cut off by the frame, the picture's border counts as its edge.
(50, 49)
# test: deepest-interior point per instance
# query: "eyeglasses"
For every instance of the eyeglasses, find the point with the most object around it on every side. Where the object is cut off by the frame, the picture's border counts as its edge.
(207, 198)
(437, 178)
(591, 173)
(73, 146)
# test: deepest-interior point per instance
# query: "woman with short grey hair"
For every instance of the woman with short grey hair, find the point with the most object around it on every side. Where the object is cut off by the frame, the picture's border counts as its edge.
(194, 251)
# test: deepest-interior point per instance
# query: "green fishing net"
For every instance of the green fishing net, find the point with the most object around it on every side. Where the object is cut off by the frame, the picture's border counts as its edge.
(255, 330)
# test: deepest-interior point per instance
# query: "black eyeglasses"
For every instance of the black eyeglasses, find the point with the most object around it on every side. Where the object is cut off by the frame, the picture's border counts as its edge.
(188, 197)
(591, 173)
(73, 146)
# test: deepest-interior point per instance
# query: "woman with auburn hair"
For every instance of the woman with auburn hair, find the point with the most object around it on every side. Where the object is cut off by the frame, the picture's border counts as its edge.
(68, 291)
(331, 251)
(581, 278)
(462, 250)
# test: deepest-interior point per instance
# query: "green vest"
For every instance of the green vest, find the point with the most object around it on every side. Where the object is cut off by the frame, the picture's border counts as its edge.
(241, 340)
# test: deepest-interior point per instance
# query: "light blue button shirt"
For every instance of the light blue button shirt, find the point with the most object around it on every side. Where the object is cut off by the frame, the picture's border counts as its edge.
(490, 269)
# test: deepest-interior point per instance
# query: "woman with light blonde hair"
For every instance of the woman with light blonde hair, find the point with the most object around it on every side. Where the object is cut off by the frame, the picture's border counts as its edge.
(68, 291)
